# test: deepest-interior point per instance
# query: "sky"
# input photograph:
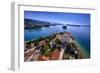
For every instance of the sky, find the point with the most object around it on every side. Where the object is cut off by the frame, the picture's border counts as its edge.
(59, 17)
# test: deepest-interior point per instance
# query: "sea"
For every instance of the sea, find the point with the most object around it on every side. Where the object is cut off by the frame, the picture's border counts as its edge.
(81, 34)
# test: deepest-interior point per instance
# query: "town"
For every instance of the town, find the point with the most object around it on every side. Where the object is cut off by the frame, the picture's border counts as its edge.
(59, 46)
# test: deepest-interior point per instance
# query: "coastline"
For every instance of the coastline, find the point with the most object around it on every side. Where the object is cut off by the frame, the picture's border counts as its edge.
(82, 49)
(82, 52)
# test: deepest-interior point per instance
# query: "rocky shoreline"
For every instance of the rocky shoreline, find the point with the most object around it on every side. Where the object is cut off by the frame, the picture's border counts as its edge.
(59, 46)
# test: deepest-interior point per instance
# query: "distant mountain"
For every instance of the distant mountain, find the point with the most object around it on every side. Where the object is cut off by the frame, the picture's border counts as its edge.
(29, 23)
(78, 25)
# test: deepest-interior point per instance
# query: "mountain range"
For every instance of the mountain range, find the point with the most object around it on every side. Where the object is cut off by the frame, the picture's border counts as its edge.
(29, 23)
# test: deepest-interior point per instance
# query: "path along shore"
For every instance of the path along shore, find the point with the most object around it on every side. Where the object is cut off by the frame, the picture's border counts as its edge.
(61, 47)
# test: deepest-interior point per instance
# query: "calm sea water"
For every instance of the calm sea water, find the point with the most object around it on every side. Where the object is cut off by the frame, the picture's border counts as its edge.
(81, 34)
